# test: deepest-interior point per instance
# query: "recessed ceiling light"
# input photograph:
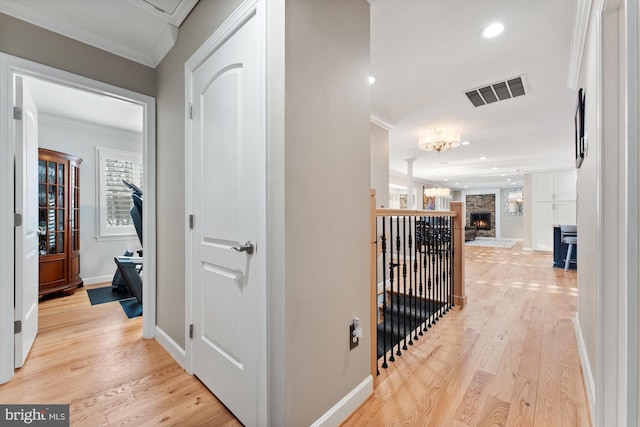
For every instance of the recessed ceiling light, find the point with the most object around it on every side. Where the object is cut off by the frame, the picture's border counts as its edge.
(457, 183)
(446, 179)
(514, 183)
(495, 168)
(508, 179)
(502, 174)
(466, 186)
(483, 158)
(492, 30)
(466, 142)
(372, 80)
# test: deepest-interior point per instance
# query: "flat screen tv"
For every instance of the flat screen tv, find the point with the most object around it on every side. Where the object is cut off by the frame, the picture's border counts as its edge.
(579, 129)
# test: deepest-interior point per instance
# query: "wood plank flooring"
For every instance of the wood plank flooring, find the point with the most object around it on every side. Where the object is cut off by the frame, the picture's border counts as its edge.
(508, 358)
(95, 359)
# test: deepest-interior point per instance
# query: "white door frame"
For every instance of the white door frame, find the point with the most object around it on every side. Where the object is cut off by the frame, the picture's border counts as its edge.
(9, 65)
(245, 11)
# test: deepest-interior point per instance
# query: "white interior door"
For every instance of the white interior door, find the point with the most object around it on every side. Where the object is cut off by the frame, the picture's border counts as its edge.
(26, 234)
(228, 196)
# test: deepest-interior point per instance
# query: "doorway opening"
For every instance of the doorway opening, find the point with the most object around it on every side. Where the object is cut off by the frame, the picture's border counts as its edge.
(69, 125)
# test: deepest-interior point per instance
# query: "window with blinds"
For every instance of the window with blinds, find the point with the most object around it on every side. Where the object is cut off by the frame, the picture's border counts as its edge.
(115, 198)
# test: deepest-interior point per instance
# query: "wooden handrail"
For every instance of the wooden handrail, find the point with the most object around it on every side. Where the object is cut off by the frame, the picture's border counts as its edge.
(413, 212)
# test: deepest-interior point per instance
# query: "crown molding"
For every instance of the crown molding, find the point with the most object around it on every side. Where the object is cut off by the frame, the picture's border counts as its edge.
(384, 124)
(175, 17)
(40, 18)
(581, 24)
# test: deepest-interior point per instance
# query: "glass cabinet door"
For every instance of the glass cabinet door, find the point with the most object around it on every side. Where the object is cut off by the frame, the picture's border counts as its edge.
(51, 202)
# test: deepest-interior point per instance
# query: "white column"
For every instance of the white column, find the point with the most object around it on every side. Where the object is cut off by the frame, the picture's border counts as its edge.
(410, 183)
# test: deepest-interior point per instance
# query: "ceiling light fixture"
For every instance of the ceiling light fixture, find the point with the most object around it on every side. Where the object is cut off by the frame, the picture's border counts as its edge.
(437, 192)
(372, 80)
(440, 139)
(492, 30)
(465, 143)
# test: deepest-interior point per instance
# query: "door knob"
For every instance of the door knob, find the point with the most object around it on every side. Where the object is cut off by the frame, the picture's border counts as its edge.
(249, 247)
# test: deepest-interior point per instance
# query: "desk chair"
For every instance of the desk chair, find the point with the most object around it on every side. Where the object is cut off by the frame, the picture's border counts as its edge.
(569, 235)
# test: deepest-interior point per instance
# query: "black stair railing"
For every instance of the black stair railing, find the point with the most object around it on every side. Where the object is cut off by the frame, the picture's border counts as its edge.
(415, 277)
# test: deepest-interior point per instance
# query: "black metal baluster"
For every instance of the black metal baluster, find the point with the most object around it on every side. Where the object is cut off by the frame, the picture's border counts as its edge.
(440, 267)
(404, 280)
(430, 283)
(449, 263)
(384, 292)
(391, 277)
(423, 272)
(398, 338)
(412, 289)
(412, 278)
(453, 260)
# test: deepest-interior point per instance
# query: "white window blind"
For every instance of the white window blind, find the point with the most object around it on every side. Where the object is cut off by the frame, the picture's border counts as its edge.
(115, 198)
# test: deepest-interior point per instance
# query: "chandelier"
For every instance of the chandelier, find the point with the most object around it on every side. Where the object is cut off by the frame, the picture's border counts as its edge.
(440, 139)
(437, 192)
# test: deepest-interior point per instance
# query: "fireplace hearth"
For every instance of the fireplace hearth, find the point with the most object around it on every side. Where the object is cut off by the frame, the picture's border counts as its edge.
(481, 220)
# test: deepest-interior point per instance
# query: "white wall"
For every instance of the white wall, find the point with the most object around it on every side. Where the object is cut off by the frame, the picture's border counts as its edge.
(607, 214)
(81, 139)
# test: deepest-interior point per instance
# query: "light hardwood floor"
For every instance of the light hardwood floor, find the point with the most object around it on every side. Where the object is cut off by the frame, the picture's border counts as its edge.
(95, 359)
(508, 358)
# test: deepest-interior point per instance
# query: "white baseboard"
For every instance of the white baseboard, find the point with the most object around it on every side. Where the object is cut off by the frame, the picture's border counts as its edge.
(171, 346)
(586, 368)
(100, 279)
(347, 405)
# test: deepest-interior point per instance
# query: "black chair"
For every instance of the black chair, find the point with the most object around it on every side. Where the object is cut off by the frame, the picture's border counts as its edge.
(569, 235)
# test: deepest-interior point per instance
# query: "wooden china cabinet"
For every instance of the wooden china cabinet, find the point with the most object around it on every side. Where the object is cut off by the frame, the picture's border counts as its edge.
(58, 221)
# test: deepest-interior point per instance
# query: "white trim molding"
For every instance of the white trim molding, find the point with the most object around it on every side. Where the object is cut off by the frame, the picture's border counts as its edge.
(589, 383)
(379, 121)
(580, 27)
(347, 405)
(173, 348)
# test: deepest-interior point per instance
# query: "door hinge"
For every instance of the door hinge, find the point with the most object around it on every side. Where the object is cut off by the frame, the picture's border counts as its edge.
(191, 222)
(191, 331)
(17, 326)
(191, 111)
(17, 220)
(17, 113)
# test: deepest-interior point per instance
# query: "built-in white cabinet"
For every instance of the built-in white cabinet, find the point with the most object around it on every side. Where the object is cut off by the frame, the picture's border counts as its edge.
(554, 186)
(554, 202)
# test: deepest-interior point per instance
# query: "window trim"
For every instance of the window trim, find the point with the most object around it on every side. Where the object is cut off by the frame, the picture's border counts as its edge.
(104, 231)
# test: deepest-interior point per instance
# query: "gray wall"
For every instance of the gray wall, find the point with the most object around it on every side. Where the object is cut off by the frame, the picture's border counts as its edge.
(380, 164)
(36, 44)
(199, 25)
(80, 140)
(327, 152)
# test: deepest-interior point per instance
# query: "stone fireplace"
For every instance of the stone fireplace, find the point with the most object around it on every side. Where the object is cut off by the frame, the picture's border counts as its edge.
(480, 220)
(481, 212)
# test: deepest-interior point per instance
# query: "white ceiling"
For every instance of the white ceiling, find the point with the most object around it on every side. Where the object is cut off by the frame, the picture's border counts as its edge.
(424, 55)
(61, 101)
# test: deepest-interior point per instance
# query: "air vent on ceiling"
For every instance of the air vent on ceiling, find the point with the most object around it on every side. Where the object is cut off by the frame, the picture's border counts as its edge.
(496, 92)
